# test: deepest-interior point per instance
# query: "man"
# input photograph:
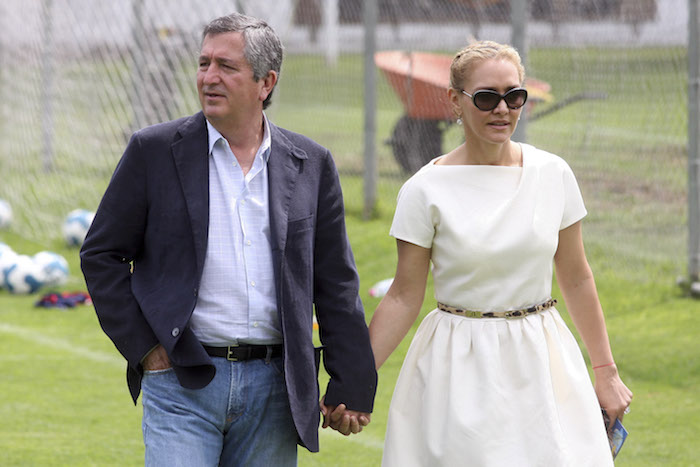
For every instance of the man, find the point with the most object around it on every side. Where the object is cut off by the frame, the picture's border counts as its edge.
(215, 239)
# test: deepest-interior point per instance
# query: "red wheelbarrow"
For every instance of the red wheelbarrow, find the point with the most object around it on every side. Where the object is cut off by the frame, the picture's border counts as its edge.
(421, 81)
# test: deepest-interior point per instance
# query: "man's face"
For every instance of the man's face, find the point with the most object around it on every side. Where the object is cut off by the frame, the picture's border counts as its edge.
(227, 91)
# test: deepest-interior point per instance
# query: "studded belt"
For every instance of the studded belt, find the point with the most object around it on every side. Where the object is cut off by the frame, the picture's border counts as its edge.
(511, 314)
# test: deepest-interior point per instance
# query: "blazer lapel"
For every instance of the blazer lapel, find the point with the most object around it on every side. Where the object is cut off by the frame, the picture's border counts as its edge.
(283, 170)
(190, 153)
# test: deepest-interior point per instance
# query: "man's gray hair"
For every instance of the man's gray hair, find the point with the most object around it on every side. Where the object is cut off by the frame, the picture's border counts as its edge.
(262, 48)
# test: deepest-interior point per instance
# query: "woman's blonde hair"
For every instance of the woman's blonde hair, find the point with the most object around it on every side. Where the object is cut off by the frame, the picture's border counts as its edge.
(466, 59)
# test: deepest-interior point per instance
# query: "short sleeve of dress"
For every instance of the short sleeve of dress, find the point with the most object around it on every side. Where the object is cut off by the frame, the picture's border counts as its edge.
(412, 220)
(574, 208)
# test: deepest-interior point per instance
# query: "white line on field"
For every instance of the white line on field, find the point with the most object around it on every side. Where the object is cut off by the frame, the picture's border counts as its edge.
(53, 343)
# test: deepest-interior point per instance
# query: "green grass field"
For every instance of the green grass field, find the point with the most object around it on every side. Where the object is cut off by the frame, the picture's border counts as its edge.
(64, 401)
(63, 398)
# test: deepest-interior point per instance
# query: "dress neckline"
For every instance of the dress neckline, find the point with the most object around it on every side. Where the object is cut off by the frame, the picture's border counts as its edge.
(522, 153)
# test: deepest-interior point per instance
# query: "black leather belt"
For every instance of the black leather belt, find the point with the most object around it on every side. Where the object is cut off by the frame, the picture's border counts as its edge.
(243, 352)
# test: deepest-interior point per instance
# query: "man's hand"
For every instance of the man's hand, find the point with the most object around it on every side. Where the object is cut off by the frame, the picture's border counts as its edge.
(343, 420)
(157, 359)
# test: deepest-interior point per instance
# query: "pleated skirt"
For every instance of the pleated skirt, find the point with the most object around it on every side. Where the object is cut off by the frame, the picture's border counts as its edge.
(495, 392)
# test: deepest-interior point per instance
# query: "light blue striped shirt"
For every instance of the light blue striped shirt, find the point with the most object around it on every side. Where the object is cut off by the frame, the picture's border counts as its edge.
(237, 301)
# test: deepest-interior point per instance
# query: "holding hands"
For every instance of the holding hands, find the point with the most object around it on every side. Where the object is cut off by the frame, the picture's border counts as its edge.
(342, 419)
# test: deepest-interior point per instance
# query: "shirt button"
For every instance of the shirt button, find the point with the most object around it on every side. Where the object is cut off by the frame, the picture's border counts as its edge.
(248, 242)
(176, 332)
(252, 283)
(255, 324)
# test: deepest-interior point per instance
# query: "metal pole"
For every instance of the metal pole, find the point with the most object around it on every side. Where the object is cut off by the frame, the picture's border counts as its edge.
(138, 71)
(4, 111)
(330, 31)
(47, 85)
(371, 12)
(519, 16)
(693, 142)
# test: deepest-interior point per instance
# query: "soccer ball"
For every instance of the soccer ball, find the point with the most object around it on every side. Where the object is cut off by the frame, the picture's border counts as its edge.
(76, 225)
(53, 267)
(22, 276)
(5, 214)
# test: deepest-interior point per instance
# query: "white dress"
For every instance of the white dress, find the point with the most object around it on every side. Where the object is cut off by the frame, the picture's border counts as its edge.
(492, 391)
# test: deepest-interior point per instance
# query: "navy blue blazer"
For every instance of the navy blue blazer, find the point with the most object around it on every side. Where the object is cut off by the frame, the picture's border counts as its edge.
(144, 253)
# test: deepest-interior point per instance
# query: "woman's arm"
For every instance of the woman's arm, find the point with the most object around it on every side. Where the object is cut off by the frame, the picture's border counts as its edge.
(401, 305)
(577, 285)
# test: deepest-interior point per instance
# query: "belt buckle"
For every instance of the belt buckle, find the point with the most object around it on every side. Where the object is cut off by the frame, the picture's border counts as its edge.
(473, 314)
(230, 353)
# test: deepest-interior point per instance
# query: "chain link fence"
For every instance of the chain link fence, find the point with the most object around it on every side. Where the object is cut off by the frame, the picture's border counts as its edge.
(79, 76)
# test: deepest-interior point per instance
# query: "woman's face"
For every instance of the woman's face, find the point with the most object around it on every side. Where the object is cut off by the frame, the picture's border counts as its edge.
(491, 126)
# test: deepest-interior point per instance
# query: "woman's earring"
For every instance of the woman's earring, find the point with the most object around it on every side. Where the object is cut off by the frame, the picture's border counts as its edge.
(459, 120)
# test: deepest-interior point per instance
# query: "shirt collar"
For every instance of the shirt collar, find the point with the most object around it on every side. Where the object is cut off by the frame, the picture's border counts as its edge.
(214, 136)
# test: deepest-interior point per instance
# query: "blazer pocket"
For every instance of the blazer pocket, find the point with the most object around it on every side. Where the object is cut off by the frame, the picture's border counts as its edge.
(300, 225)
(299, 258)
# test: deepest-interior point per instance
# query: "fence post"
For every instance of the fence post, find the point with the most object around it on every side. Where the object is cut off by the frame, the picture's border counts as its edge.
(4, 111)
(138, 64)
(693, 146)
(371, 11)
(47, 84)
(330, 31)
(519, 17)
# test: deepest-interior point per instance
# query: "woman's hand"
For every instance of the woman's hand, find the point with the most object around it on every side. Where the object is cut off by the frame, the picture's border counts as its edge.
(612, 393)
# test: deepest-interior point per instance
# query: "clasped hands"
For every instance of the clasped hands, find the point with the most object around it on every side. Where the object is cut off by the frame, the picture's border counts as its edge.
(342, 419)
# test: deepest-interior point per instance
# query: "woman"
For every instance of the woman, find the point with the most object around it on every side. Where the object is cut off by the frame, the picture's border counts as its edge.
(479, 386)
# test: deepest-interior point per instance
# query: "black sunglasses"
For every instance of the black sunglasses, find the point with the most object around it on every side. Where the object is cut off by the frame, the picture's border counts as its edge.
(486, 99)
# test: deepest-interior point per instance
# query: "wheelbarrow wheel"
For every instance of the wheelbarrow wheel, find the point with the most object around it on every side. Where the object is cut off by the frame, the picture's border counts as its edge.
(415, 142)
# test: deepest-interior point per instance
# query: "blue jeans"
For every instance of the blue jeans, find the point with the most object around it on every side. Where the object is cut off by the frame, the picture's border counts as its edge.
(242, 418)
